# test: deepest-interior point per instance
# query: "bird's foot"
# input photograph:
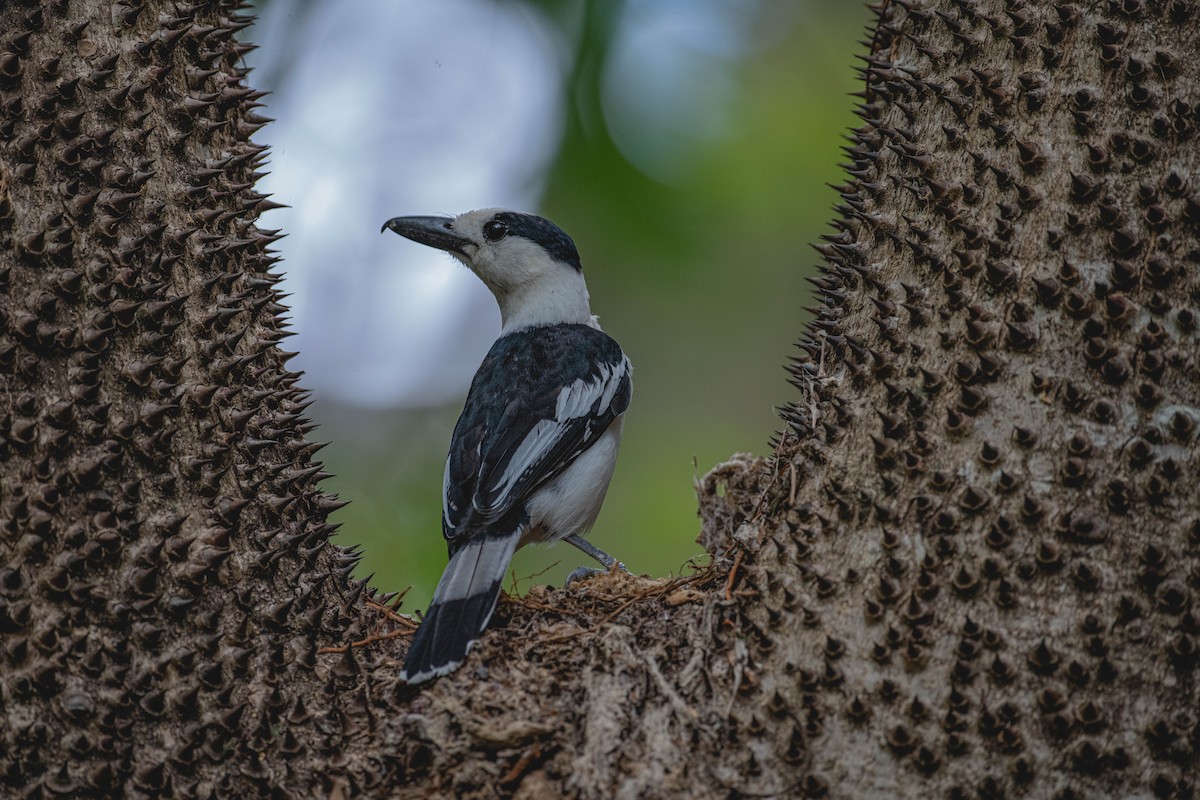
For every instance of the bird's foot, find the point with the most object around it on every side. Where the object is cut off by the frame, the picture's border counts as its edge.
(583, 573)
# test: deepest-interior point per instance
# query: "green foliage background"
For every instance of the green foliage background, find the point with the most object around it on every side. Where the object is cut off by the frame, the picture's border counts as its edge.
(702, 282)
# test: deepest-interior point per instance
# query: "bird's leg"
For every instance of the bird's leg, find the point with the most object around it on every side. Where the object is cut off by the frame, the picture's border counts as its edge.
(583, 544)
(607, 561)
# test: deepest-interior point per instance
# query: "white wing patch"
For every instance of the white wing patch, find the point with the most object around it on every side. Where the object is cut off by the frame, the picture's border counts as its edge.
(536, 442)
(577, 399)
(610, 389)
(574, 401)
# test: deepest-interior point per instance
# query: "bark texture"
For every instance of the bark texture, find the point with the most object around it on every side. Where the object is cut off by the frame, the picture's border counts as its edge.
(164, 563)
(969, 569)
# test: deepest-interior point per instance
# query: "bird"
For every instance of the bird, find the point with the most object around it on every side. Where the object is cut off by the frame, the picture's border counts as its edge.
(534, 449)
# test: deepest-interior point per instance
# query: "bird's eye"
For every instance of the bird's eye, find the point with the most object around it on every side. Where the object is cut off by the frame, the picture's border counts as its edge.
(495, 230)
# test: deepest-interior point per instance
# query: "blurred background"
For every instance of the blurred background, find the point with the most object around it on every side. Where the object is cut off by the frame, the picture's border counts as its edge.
(684, 144)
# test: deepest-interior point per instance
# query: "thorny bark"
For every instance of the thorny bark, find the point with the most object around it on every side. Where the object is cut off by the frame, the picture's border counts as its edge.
(969, 570)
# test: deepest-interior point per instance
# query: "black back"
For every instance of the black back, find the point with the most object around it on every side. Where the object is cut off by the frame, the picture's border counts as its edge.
(517, 387)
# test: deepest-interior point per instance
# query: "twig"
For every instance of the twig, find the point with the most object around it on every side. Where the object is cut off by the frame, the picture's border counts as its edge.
(394, 603)
(621, 608)
(389, 612)
(378, 637)
(521, 765)
(737, 562)
(538, 574)
(525, 602)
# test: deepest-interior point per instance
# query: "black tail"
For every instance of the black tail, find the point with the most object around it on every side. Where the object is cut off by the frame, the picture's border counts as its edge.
(462, 605)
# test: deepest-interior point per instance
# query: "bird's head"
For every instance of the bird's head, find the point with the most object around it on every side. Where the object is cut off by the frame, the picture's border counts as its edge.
(529, 263)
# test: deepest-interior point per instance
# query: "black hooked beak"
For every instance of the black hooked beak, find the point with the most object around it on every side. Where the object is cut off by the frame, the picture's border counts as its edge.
(431, 231)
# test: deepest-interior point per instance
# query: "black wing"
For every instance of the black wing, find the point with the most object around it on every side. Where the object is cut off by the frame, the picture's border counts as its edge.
(540, 398)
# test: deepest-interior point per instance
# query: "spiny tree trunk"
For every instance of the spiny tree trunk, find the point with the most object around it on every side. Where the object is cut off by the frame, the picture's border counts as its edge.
(164, 557)
(968, 571)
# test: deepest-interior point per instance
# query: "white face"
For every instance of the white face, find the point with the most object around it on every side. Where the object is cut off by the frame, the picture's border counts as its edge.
(505, 264)
(532, 282)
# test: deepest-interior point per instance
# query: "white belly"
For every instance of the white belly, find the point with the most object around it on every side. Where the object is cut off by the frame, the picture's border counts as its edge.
(570, 503)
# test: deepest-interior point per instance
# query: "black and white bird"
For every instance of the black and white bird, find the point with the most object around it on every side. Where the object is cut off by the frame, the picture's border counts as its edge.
(534, 449)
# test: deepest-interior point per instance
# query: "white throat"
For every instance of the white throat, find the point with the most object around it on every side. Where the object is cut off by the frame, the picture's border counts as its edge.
(558, 296)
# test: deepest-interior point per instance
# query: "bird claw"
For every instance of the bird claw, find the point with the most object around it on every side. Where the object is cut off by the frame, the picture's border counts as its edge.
(583, 573)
